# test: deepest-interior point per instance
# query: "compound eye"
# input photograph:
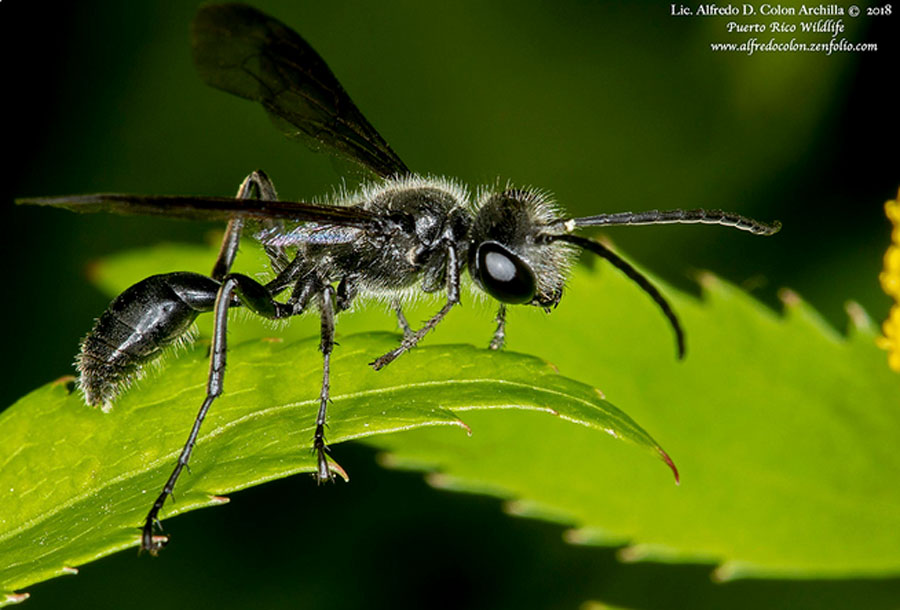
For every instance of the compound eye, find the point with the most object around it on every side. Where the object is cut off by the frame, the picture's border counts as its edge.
(503, 275)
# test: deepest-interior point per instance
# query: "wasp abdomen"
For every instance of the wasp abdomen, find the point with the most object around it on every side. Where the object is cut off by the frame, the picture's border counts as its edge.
(135, 329)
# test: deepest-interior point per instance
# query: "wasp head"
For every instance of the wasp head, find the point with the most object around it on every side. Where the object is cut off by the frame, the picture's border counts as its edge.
(508, 257)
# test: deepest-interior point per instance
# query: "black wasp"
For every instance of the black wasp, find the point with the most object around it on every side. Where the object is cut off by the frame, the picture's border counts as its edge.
(394, 236)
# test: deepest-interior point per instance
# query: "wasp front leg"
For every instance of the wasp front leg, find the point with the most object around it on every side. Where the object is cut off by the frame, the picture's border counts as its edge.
(499, 338)
(411, 340)
(402, 322)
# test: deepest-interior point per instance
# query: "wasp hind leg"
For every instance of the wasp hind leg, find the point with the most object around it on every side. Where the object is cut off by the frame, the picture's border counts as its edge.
(233, 289)
(257, 298)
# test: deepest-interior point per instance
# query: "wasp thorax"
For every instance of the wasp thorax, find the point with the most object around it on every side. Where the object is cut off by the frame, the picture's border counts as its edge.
(508, 258)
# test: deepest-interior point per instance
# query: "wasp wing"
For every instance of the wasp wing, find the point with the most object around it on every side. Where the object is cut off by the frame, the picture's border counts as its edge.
(245, 52)
(209, 208)
(308, 233)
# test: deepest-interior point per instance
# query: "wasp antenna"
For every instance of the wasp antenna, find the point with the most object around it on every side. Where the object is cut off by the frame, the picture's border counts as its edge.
(699, 216)
(634, 275)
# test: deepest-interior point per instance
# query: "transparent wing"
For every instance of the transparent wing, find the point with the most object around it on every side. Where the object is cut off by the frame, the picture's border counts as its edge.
(308, 233)
(209, 208)
(247, 53)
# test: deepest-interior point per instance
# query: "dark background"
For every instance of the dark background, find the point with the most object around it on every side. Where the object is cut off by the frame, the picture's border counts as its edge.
(612, 107)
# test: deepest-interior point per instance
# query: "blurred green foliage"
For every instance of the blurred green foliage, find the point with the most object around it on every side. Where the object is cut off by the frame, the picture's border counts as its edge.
(611, 106)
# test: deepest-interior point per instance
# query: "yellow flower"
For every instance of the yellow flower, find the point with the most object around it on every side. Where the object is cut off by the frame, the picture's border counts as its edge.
(890, 283)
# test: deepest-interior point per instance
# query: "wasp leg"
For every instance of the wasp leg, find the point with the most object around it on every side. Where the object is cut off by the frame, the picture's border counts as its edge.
(500, 333)
(255, 186)
(347, 290)
(401, 319)
(326, 345)
(410, 341)
(259, 300)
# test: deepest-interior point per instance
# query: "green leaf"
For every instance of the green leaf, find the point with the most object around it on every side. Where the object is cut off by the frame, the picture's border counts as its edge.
(786, 434)
(75, 483)
(784, 430)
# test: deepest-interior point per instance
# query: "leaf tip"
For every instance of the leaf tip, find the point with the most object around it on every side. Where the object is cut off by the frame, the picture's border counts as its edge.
(706, 279)
(726, 572)
(64, 380)
(533, 509)
(665, 458)
(438, 480)
(576, 536)
(387, 460)
(789, 298)
(516, 508)
(593, 536)
(860, 322)
(69, 382)
(632, 554)
(16, 598)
